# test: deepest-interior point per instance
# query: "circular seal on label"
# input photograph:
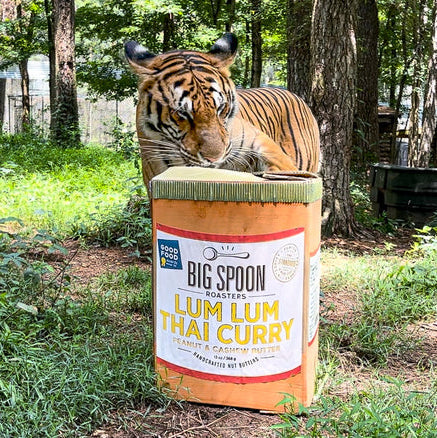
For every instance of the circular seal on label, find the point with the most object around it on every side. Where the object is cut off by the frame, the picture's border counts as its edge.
(285, 262)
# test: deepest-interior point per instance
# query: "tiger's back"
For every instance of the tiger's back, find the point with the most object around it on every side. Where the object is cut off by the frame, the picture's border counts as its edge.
(189, 113)
(285, 118)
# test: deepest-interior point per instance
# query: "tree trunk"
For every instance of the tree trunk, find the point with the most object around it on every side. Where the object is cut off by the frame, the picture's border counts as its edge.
(414, 155)
(298, 47)
(52, 63)
(255, 80)
(430, 105)
(333, 71)
(22, 65)
(247, 67)
(168, 32)
(66, 123)
(230, 6)
(2, 102)
(7, 12)
(216, 6)
(367, 137)
(406, 62)
(25, 96)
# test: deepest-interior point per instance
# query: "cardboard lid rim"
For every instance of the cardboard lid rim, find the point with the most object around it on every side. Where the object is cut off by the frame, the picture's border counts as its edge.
(298, 191)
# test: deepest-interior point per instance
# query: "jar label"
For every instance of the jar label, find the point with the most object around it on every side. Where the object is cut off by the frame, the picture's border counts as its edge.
(229, 308)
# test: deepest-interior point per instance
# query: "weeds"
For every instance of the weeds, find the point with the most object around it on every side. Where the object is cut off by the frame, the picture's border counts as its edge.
(363, 210)
(129, 227)
(49, 187)
(386, 411)
(377, 329)
(67, 362)
(123, 140)
(390, 296)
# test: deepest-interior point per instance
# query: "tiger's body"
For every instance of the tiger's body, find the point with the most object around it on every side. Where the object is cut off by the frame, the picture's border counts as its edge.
(189, 113)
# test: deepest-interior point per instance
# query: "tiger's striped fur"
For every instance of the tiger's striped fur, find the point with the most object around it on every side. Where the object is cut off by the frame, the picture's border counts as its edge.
(189, 113)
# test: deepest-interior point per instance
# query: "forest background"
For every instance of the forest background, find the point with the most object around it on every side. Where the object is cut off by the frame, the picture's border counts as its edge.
(343, 58)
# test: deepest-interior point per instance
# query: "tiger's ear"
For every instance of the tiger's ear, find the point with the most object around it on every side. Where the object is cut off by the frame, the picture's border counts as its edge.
(223, 52)
(138, 57)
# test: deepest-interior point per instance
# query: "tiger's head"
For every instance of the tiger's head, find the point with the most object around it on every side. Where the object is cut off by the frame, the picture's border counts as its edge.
(186, 102)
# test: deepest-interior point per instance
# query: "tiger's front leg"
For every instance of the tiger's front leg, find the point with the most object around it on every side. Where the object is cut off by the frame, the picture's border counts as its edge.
(251, 143)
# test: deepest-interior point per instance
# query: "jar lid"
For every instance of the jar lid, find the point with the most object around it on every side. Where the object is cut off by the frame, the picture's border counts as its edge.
(206, 184)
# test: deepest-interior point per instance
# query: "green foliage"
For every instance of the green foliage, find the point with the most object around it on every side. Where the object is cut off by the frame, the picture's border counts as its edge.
(25, 35)
(28, 152)
(54, 188)
(66, 362)
(391, 299)
(398, 39)
(124, 141)
(363, 210)
(386, 411)
(130, 227)
(425, 243)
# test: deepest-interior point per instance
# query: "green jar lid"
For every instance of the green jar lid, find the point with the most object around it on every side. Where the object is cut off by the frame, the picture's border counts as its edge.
(205, 184)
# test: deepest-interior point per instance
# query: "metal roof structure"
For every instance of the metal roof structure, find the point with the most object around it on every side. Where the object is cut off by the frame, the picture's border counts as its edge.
(38, 69)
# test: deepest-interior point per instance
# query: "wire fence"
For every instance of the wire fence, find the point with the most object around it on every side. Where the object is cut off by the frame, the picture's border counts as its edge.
(97, 119)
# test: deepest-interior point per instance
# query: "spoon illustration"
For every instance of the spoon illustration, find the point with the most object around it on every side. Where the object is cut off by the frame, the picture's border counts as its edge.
(211, 253)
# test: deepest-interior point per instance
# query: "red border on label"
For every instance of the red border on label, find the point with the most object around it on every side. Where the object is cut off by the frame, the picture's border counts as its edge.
(314, 337)
(229, 238)
(312, 254)
(228, 379)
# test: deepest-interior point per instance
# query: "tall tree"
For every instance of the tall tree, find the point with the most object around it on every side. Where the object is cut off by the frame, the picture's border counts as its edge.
(20, 38)
(429, 124)
(298, 47)
(26, 23)
(168, 32)
(230, 7)
(367, 79)
(52, 60)
(256, 44)
(333, 69)
(419, 29)
(65, 128)
(7, 12)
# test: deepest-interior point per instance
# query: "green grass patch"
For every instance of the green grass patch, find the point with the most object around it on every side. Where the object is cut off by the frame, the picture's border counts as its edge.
(390, 295)
(389, 410)
(127, 291)
(55, 189)
(66, 363)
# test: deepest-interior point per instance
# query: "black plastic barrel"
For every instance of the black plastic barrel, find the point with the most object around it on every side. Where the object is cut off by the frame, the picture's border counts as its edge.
(407, 193)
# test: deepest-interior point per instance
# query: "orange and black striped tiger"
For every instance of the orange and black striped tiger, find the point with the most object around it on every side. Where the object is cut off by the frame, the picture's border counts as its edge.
(189, 113)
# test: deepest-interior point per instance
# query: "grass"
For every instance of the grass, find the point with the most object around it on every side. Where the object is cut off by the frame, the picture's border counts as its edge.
(391, 295)
(386, 411)
(71, 356)
(56, 189)
(67, 363)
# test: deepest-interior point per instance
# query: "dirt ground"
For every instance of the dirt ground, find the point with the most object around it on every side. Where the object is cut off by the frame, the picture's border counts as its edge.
(186, 420)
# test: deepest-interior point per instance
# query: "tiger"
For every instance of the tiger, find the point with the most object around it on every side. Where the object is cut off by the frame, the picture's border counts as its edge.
(190, 113)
